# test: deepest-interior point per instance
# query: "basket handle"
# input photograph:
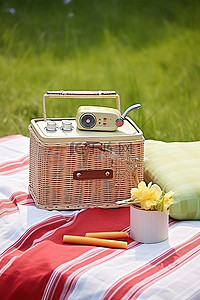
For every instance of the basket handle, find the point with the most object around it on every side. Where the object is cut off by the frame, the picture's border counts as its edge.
(78, 95)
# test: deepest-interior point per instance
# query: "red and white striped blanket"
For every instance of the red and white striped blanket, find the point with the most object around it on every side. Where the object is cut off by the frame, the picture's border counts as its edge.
(35, 264)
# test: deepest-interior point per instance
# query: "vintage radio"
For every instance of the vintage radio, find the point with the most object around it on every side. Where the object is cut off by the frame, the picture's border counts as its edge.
(92, 160)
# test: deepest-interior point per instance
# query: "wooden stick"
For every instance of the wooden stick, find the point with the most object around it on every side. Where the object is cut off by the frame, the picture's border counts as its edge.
(82, 240)
(108, 235)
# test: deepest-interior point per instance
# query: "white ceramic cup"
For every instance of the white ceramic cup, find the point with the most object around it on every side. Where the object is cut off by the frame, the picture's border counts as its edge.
(148, 226)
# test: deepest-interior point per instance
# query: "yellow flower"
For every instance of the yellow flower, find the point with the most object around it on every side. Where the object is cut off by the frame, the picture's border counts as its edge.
(150, 197)
(148, 204)
(167, 201)
(146, 195)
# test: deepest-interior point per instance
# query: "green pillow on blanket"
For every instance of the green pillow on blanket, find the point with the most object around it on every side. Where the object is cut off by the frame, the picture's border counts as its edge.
(176, 166)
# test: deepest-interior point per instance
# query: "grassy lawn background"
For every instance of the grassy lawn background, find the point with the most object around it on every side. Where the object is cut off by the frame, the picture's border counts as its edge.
(145, 50)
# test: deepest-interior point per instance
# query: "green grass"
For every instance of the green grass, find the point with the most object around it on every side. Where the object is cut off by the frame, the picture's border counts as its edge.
(147, 51)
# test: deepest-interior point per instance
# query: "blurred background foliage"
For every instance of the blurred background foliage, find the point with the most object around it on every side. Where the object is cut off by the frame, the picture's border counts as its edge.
(145, 50)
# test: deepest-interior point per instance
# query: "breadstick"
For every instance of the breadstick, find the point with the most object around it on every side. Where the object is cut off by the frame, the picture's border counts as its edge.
(108, 235)
(82, 240)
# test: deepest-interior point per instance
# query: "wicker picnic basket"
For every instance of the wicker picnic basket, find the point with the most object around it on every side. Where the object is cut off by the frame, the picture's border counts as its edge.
(83, 169)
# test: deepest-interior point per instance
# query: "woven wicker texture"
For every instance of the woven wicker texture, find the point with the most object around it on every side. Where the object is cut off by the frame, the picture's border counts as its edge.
(51, 182)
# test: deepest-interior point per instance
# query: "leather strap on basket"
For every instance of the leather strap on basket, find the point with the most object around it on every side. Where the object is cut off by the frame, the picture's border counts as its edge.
(131, 168)
(93, 174)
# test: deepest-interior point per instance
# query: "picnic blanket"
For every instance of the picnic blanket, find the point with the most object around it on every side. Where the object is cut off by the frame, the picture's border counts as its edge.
(35, 264)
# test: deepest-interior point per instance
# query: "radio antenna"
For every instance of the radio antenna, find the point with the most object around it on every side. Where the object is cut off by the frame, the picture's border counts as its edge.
(120, 121)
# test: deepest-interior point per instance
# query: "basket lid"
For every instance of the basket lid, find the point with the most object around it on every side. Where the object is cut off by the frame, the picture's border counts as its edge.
(54, 132)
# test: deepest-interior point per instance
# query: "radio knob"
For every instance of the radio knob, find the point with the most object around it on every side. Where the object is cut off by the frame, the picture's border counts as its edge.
(51, 126)
(66, 125)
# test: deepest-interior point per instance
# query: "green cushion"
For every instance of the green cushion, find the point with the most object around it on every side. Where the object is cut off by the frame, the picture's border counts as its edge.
(176, 166)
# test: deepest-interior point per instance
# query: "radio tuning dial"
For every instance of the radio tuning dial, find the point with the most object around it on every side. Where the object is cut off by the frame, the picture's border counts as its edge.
(66, 125)
(51, 126)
